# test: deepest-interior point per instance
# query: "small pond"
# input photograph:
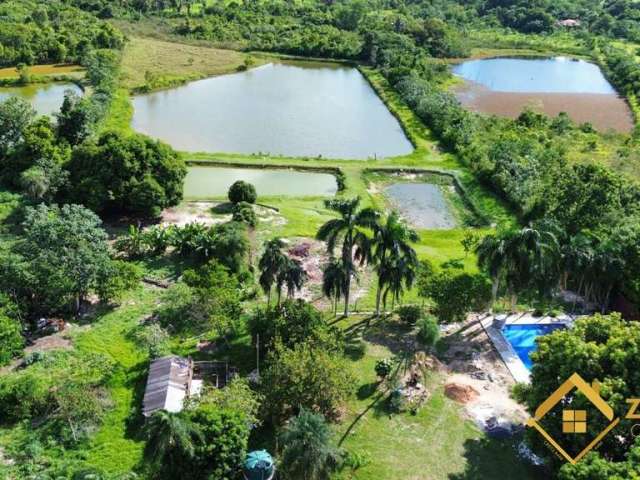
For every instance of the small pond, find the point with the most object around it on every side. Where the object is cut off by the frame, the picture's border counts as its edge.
(291, 109)
(423, 205)
(505, 86)
(212, 182)
(45, 98)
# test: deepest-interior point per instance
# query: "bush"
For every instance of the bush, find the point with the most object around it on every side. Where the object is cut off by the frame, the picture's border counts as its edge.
(243, 212)
(383, 367)
(11, 340)
(428, 331)
(457, 293)
(409, 313)
(242, 192)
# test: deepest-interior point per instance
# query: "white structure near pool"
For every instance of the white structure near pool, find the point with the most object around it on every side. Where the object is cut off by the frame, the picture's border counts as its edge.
(514, 337)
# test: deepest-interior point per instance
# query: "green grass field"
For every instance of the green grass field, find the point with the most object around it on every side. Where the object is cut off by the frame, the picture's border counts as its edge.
(160, 64)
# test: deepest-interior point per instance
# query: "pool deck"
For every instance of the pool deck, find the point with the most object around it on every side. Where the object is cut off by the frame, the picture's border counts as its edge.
(493, 326)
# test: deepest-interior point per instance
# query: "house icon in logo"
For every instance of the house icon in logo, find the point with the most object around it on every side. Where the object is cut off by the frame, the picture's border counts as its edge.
(574, 422)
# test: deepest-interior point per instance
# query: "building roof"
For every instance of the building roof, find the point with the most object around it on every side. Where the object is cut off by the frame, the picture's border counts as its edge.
(167, 384)
(569, 22)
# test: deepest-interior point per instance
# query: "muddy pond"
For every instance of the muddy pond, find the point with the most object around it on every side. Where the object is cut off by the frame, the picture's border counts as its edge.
(505, 86)
(291, 109)
(46, 99)
(422, 205)
(213, 182)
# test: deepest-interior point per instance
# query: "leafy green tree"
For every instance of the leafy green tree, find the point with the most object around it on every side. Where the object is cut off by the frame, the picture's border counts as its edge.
(394, 258)
(172, 439)
(136, 175)
(76, 118)
(304, 377)
(350, 229)
(291, 323)
(15, 116)
(601, 348)
(225, 435)
(62, 256)
(242, 191)
(307, 449)
(456, 293)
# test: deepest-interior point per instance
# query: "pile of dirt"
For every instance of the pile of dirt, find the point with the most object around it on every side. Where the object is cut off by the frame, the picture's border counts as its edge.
(460, 392)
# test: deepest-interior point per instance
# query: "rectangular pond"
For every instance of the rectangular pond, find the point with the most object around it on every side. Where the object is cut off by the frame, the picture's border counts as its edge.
(423, 205)
(522, 338)
(204, 182)
(505, 86)
(291, 109)
(45, 98)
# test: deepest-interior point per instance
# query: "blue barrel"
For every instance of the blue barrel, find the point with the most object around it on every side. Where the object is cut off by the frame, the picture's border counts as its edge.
(259, 466)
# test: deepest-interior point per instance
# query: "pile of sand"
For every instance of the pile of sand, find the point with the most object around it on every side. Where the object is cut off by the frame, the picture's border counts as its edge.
(460, 392)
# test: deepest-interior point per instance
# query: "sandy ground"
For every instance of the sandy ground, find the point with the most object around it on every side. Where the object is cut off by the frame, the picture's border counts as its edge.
(193, 212)
(472, 360)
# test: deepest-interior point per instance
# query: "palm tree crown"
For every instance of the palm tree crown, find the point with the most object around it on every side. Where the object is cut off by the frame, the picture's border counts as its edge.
(307, 451)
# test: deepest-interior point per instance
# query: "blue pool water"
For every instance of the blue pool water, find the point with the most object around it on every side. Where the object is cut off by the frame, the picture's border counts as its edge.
(523, 338)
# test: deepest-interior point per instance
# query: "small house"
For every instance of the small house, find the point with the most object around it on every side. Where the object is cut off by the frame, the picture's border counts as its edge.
(173, 379)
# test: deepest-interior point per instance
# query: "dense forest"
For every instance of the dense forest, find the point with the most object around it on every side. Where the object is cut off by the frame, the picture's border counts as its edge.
(81, 239)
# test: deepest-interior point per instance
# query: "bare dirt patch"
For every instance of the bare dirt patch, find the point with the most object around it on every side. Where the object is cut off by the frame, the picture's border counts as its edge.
(474, 364)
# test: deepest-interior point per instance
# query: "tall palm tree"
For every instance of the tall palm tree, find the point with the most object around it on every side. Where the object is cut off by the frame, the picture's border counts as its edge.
(391, 243)
(270, 264)
(398, 273)
(307, 450)
(170, 439)
(290, 275)
(523, 258)
(333, 276)
(349, 229)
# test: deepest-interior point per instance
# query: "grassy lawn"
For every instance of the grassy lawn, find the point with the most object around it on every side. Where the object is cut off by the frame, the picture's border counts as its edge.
(173, 63)
(117, 447)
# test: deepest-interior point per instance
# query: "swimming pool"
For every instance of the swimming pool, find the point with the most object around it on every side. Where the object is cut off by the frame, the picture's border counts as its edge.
(523, 338)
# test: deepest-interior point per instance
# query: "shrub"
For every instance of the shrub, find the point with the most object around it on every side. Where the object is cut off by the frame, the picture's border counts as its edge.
(243, 212)
(428, 331)
(383, 367)
(11, 340)
(409, 313)
(242, 192)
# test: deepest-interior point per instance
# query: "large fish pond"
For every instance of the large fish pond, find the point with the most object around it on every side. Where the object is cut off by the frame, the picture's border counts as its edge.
(46, 99)
(292, 109)
(505, 86)
(205, 182)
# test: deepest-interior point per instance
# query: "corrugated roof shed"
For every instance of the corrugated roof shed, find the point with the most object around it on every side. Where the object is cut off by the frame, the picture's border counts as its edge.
(167, 384)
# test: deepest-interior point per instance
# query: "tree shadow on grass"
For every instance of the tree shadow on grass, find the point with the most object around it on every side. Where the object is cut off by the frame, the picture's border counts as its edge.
(488, 458)
(361, 415)
(137, 381)
(225, 208)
